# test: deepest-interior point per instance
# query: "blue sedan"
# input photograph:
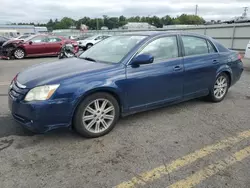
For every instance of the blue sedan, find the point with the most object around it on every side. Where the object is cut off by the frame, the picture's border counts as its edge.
(122, 75)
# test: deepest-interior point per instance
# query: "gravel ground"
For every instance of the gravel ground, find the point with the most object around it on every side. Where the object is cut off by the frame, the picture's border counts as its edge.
(138, 143)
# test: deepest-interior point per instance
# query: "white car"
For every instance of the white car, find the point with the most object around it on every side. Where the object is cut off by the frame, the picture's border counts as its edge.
(89, 42)
(247, 52)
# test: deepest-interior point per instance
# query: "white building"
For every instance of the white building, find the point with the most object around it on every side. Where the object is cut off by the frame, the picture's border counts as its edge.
(138, 26)
(23, 29)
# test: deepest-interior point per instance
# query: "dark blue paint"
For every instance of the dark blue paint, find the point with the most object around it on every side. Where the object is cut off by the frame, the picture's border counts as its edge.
(136, 88)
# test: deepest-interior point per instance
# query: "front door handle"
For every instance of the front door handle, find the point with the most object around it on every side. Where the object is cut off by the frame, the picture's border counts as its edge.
(215, 61)
(177, 68)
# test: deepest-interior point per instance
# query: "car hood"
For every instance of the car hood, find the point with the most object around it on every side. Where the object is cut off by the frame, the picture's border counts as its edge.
(12, 42)
(56, 72)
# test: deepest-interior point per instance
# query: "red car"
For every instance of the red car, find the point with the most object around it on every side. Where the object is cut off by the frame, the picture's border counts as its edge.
(37, 45)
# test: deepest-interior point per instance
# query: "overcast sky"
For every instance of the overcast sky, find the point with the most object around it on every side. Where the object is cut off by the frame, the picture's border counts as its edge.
(43, 10)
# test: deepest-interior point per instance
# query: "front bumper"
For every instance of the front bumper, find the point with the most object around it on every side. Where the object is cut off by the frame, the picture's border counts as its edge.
(40, 116)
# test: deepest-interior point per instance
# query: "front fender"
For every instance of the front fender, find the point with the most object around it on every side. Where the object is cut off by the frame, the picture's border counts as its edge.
(84, 92)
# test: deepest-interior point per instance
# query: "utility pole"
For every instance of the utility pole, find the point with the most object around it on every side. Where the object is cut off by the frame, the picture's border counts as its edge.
(196, 10)
(245, 12)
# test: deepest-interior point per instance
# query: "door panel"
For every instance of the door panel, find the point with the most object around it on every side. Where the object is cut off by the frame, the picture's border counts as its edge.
(154, 83)
(35, 46)
(160, 81)
(200, 62)
(53, 45)
(200, 72)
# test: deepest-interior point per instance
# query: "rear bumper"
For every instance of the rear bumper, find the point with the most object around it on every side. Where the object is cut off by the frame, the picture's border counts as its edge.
(41, 116)
(237, 72)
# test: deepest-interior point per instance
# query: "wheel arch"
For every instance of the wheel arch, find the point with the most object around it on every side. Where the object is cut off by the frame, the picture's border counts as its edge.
(228, 72)
(89, 43)
(22, 48)
(112, 91)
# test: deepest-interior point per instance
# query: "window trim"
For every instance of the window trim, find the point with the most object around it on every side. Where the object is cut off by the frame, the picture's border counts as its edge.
(200, 37)
(45, 37)
(153, 39)
(60, 40)
(215, 50)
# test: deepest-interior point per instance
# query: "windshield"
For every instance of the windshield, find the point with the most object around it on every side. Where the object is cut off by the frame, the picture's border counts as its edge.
(28, 38)
(113, 49)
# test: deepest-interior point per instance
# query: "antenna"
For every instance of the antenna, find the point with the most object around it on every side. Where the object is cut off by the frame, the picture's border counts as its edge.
(245, 12)
(196, 10)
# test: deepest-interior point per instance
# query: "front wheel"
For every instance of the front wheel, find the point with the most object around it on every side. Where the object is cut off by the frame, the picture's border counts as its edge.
(220, 88)
(96, 115)
(19, 53)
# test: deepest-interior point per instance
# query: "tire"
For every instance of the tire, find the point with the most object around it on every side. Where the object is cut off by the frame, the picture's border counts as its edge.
(89, 46)
(89, 119)
(220, 88)
(19, 53)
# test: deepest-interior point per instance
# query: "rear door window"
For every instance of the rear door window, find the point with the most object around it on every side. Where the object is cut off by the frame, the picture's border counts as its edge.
(54, 39)
(194, 45)
(211, 48)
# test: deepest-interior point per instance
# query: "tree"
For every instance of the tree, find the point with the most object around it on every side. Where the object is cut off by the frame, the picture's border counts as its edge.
(166, 20)
(122, 21)
(115, 22)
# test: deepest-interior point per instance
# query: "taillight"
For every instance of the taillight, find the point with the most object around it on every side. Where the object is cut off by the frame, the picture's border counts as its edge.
(239, 56)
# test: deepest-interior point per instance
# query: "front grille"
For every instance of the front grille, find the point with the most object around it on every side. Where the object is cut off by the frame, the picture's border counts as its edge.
(17, 92)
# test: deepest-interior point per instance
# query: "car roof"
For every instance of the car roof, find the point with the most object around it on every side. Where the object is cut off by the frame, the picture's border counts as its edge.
(159, 33)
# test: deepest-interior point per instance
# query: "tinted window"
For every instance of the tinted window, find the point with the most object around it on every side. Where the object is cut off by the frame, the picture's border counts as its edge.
(194, 45)
(211, 47)
(54, 39)
(38, 39)
(98, 38)
(162, 48)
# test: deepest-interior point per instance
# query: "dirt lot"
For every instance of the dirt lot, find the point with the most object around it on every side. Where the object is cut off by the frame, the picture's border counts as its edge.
(195, 143)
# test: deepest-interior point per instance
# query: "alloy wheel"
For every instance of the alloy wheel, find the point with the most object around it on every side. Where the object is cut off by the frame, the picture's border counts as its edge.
(220, 87)
(98, 116)
(19, 54)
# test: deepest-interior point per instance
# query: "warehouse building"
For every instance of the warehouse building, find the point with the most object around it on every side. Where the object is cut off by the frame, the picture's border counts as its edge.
(14, 30)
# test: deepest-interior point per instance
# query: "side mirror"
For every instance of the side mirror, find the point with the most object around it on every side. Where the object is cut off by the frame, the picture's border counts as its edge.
(142, 59)
(30, 42)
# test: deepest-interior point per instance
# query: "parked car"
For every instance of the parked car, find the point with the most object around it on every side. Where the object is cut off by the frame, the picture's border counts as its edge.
(3, 40)
(89, 42)
(36, 45)
(85, 36)
(136, 72)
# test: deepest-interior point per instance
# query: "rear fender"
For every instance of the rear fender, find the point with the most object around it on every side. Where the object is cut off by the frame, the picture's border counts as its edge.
(226, 69)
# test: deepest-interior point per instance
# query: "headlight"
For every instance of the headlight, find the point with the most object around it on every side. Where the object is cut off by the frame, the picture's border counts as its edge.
(41, 93)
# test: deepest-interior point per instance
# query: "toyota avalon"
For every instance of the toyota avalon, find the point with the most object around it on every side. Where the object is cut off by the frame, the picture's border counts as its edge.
(122, 75)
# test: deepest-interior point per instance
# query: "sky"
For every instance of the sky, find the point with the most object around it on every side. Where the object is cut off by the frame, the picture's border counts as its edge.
(40, 11)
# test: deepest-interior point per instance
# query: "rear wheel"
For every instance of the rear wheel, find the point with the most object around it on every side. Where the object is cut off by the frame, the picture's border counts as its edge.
(89, 46)
(19, 53)
(220, 88)
(96, 115)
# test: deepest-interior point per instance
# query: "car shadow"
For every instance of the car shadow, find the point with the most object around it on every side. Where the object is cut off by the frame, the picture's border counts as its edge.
(10, 127)
(171, 109)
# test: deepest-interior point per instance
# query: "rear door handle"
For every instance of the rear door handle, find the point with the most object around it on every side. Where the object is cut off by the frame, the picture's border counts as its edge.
(215, 61)
(177, 68)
